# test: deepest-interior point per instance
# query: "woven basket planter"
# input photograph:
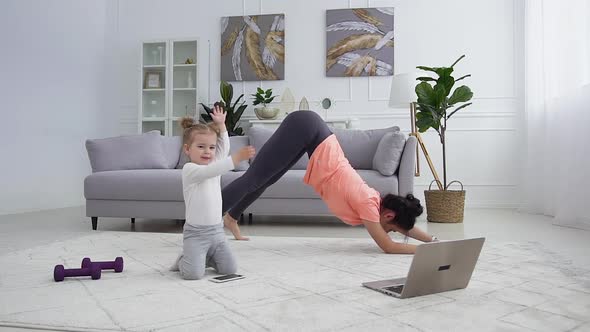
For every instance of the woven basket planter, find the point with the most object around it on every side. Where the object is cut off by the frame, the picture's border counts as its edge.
(445, 206)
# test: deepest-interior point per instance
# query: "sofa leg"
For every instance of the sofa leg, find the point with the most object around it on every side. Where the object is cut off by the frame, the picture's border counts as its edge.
(249, 218)
(241, 221)
(94, 223)
(133, 220)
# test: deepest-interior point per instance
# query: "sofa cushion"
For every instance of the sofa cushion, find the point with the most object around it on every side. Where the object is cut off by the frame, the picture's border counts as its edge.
(126, 152)
(258, 137)
(183, 159)
(359, 146)
(140, 185)
(383, 184)
(166, 185)
(291, 184)
(389, 153)
(172, 146)
(235, 143)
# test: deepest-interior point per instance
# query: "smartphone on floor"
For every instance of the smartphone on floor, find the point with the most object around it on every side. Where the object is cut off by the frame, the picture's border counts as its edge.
(227, 277)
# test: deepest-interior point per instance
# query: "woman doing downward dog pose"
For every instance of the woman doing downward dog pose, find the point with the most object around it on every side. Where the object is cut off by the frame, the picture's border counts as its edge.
(330, 174)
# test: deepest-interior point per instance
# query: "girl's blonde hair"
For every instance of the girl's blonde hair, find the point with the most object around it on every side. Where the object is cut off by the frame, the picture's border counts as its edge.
(190, 128)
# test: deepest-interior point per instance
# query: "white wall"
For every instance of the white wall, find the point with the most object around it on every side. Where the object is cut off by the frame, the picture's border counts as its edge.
(53, 97)
(70, 72)
(483, 141)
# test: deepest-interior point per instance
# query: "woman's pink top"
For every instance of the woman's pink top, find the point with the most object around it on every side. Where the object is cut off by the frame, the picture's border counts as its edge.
(345, 193)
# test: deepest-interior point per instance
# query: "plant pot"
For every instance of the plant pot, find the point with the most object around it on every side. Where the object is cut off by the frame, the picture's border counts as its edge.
(445, 206)
(266, 113)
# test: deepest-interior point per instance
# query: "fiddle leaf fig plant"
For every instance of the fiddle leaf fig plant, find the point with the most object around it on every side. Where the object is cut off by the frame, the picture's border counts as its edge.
(233, 111)
(438, 102)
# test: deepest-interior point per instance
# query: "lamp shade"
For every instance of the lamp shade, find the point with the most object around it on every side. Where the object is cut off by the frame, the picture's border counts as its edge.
(403, 89)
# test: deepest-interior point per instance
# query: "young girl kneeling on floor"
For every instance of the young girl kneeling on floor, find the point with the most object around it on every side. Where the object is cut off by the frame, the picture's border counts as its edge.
(204, 242)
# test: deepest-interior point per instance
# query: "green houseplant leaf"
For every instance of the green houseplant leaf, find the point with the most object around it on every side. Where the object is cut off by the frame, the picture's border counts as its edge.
(424, 121)
(447, 83)
(425, 94)
(426, 79)
(226, 91)
(239, 112)
(207, 116)
(460, 95)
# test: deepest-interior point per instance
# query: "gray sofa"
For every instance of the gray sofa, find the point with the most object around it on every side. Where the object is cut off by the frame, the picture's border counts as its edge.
(139, 176)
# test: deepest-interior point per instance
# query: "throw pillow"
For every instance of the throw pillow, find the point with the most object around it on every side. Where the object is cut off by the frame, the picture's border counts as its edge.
(359, 146)
(258, 137)
(236, 143)
(183, 158)
(172, 147)
(126, 152)
(389, 153)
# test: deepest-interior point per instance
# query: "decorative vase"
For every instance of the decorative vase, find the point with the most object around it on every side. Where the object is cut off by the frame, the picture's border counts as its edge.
(287, 102)
(266, 113)
(189, 81)
(445, 206)
(155, 55)
(304, 105)
(160, 49)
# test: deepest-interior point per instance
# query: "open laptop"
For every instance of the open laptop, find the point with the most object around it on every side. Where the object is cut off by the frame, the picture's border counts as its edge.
(436, 267)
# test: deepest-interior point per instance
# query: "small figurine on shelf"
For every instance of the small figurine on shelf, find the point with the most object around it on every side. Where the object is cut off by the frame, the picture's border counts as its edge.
(189, 61)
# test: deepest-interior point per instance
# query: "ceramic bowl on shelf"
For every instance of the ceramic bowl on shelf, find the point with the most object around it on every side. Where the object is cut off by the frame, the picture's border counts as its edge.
(266, 113)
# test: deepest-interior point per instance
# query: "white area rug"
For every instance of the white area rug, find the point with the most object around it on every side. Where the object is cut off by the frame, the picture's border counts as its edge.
(296, 284)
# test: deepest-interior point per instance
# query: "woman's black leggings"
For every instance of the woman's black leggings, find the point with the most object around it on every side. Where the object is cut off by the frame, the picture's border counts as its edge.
(299, 132)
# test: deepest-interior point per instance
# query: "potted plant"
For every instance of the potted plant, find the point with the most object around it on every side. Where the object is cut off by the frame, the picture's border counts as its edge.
(264, 98)
(233, 114)
(437, 103)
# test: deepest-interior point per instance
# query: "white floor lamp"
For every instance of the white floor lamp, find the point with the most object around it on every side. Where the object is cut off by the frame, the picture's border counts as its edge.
(403, 94)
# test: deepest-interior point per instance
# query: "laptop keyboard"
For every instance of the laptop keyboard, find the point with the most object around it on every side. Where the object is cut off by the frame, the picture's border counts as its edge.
(395, 289)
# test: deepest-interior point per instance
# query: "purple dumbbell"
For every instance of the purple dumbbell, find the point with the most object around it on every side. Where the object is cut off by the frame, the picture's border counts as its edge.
(59, 272)
(116, 265)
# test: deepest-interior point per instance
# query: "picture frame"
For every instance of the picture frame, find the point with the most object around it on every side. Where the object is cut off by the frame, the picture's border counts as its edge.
(153, 80)
(359, 42)
(253, 48)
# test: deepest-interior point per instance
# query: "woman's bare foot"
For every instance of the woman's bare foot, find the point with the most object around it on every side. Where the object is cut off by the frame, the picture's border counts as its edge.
(233, 227)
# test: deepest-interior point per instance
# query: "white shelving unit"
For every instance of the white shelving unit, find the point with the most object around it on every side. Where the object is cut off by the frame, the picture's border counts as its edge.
(164, 101)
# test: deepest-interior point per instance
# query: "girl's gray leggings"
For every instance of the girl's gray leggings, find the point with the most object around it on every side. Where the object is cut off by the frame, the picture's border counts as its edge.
(299, 132)
(202, 247)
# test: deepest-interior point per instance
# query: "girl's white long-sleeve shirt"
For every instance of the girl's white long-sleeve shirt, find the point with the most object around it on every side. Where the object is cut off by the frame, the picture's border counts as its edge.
(201, 185)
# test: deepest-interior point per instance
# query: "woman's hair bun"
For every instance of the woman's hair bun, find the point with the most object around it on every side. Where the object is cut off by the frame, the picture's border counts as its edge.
(413, 205)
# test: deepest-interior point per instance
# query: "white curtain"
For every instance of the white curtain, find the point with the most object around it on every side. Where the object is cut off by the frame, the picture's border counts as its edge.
(557, 106)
